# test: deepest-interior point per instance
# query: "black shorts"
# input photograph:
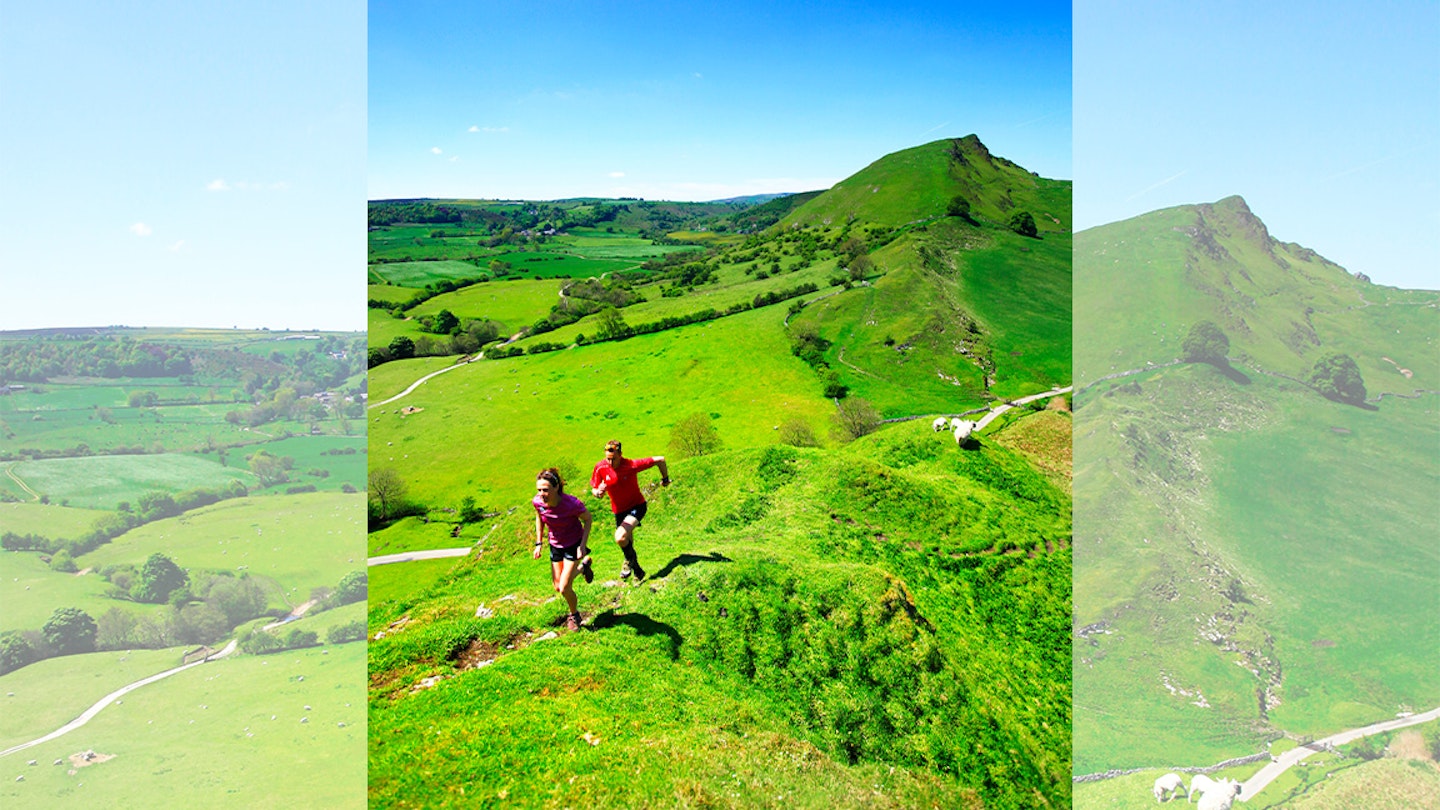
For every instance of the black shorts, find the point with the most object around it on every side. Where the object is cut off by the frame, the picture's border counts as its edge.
(561, 553)
(638, 512)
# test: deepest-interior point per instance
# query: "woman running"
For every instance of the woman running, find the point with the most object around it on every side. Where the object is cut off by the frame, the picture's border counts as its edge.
(566, 521)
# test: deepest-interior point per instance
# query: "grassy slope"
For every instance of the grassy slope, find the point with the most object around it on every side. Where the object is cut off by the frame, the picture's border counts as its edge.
(488, 427)
(49, 520)
(100, 482)
(1207, 505)
(770, 569)
(230, 753)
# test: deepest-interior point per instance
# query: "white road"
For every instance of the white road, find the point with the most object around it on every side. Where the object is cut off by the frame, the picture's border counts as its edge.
(110, 698)
(1282, 763)
(999, 409)
(410, 556)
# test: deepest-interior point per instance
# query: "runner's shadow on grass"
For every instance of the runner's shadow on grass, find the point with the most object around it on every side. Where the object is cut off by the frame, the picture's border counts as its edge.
(689, 559)
(643, 626)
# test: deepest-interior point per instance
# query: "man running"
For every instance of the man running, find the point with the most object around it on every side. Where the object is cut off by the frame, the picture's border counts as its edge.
(616, 475)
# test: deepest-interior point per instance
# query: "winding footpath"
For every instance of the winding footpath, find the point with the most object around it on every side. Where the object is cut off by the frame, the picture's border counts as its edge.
(110, 698)
(1285, 761)
(10, 471)
(417, 384)
(411, 556)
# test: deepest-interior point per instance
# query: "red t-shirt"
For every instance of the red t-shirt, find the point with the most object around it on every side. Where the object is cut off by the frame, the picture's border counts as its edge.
(620, 482)
(562, 521)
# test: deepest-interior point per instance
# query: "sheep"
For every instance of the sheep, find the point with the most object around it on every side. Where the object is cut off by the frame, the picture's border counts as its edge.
(962, 430)
(1169, 783)
(1221, 796)
(1199, 784)
(939, 424)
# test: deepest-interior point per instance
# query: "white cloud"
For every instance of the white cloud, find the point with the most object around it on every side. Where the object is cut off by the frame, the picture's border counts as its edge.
(617, 175)
(435, 150)
(218, 184)
(473, 129)
(175, 248)
(141, 229)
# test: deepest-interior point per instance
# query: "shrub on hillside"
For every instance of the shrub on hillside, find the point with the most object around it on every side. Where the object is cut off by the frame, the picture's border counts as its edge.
(15, 652)
(342, 633)
(158, 578)
(855, 418)
(797, 433)
(1337, 377)
(1205, 343)
(1023, 223)
(694, 435)
(70, 631)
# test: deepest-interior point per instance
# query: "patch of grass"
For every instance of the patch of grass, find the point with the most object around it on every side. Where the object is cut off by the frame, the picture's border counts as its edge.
(50, 520)
(100, 482)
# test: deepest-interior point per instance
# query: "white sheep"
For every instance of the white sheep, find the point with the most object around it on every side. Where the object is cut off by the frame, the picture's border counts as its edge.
(1199, 784)
(939, 423)
(1221, 796)
(1170, 783)
(962, 429)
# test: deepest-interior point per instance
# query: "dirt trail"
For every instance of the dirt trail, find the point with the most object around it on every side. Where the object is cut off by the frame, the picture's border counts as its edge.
(416, 384)
(111, 698)
(10, 471)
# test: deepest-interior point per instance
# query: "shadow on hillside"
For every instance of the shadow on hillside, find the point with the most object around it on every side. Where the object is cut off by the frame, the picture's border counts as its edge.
(1231, 373)
(689, 559)
(643, 625)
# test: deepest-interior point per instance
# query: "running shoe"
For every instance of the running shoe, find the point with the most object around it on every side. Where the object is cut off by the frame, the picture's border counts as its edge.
(639, 572)
(572, 622)
(625, 570)
(587, 571)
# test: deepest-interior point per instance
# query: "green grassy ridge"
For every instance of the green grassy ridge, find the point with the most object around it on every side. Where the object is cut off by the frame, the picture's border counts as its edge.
(1280, 304)
(514, 304)
(918, 183)
(1015, 291)
(488, 427)
(229, 753)
(788, 546)
(388, 379)
(1325, 597)
(33, 592)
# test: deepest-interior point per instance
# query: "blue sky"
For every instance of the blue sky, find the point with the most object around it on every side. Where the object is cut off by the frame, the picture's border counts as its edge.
(688, 101)
(182, 164)
(1324, 116)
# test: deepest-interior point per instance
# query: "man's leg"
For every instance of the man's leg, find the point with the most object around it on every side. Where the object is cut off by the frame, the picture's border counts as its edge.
(625, 538)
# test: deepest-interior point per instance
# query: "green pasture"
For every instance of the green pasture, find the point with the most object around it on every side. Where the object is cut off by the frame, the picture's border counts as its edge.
(206, 737)
(732, 287)
(514, 304)
(553, 263)
(484, 429)
(416, 275)
(100, 482)
(390, 293)
(32, 592)
(298, 541)
(391, 378)
(49, 520)
(854, 542)
(397, 581)
(310, 453)
(415, 534)
(172, 427)
(1133, 791)
(46, 695)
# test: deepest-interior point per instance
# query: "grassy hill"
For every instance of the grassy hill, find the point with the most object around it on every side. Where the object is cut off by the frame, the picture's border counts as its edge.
(828, 621)
(1252, 558)
(896, 603)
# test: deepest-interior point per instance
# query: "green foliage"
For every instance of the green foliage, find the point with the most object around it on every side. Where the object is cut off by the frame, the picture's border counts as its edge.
(958, 207)
(15, 652)
(1023, 223)
(352, 588)
(798, 433)
(343, 633)
(1336, 376)
(1205, 343)
(856, 417)
(694, 435)
(63, 563)
(70, 631)
(157, 579)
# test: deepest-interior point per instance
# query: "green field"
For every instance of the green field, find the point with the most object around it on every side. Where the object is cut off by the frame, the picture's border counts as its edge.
(312, 453)
(49, 520)
(206, 737)
(33, 592)
(100, 482)
(398, 581)
(539, 410)
(297, 541)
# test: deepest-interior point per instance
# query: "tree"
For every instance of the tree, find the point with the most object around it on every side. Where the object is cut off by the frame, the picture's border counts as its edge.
(158, 578)
(446, 322)
(1023, 223)
(15, 652)
(401, 348)
(797, 433)
(1337, 377)
(239, 599)
(855, 417)
(612, 323)
(469, 512)
(63, 563)
(342, 633)
(114, 630)
(70, 631)
(958, 207)
(1205, 343)
(353, 587)
(859, 267)
(694, 435)
(270, 469)
(386, 489)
